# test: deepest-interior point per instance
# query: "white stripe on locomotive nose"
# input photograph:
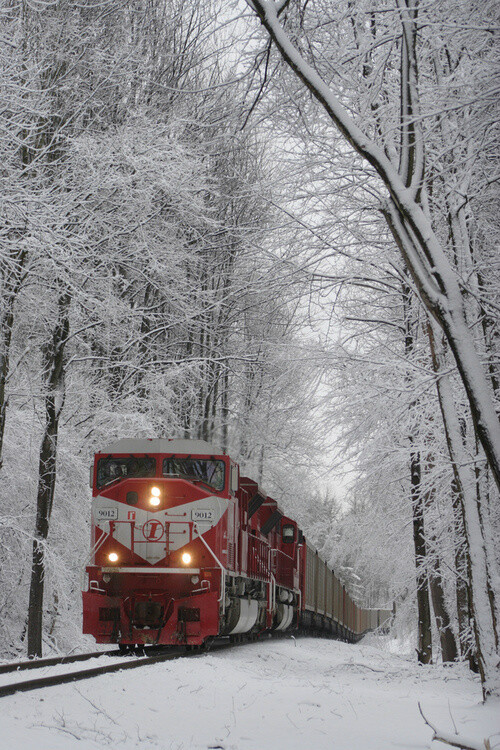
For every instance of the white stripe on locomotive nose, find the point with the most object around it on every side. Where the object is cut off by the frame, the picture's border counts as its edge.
(150, 526)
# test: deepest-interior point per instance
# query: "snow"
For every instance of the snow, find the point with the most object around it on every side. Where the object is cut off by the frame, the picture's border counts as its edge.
(162, 445)
(304, 693)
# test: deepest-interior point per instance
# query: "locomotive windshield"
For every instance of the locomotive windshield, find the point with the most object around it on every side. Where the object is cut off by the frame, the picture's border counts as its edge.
(206, 470)
(109, 469)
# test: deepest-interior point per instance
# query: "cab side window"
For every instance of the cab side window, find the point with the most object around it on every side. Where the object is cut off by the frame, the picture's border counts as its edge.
(288, 533)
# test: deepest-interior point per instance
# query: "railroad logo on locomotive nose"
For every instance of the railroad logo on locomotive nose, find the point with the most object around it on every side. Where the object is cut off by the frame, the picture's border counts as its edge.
(152, 530)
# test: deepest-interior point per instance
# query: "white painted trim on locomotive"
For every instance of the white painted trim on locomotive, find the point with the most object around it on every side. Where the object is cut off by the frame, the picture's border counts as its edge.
(272, 594)
(249, 611)
(290, 617)
(181, 515)
(287, 619)
(162, 571)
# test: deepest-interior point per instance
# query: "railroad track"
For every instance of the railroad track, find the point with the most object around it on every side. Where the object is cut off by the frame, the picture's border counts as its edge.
(53, 661)
(129, 662)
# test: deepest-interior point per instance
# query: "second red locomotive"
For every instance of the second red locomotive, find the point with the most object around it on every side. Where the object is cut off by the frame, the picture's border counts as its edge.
(185, 549)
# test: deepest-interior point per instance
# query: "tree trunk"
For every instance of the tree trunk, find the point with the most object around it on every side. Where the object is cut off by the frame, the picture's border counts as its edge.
(449, 651)
(463, 592)
(481, 588)
(13, 279)
(424, 649)
(6, 326)
(54, 399)
(225, 410)
(424, 631)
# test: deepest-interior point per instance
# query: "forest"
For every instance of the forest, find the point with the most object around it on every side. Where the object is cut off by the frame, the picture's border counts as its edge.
(272, 225)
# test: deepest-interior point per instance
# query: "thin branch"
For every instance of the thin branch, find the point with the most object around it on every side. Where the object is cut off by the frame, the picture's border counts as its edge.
(454, 739)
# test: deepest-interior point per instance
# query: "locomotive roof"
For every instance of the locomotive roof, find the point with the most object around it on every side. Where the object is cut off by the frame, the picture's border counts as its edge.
(162, 445)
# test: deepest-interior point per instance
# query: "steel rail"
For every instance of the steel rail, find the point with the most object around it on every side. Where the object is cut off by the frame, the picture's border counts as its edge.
(53, 660)
(130, 663)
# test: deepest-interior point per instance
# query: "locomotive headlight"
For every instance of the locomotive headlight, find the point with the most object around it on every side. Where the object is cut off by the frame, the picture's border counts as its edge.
(113, 557)
(154, 500)
(186, 558)
(155, 491)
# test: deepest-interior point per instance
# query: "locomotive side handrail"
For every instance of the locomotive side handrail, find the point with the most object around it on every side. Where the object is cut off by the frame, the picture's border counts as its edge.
(168, 524)
(222, 597)
(97, 546)
(258, 558)
(272, 594)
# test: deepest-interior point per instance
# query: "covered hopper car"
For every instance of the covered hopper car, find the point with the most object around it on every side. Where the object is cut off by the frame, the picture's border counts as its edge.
(185, 549)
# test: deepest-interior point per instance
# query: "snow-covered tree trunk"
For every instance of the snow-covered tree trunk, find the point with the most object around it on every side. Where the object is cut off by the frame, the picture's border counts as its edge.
(449, 651)
(462, 587)
(11, 283)
(481, 589)
(418, 507)
(424, 650)
(53, 376)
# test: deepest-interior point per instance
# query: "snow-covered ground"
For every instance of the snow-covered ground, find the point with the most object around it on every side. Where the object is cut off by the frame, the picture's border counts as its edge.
(299, 694)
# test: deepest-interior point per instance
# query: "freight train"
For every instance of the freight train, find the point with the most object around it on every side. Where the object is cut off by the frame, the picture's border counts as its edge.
(184, 549)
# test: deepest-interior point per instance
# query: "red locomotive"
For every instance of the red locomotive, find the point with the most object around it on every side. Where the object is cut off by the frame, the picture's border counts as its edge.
(184, 549)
